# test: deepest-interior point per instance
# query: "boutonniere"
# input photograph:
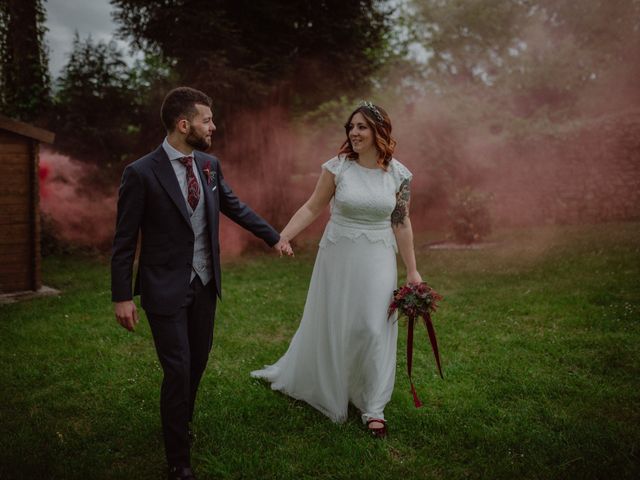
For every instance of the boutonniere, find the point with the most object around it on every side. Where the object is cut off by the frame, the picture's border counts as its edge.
(208, 173)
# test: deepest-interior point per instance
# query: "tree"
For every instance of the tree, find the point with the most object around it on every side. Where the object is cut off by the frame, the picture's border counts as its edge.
(242, 52)
(96, 111)
(24, 75)
(542, 53)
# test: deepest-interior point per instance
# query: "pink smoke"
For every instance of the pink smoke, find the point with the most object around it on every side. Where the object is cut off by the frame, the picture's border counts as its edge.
(269, 167)
(579, 163)
(80, 215)
(272, 167)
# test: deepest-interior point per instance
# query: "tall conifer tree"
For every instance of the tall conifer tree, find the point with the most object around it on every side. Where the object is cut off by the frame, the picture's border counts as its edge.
(24, 74)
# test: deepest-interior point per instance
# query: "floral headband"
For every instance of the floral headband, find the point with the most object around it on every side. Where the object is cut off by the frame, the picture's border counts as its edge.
(372, 108)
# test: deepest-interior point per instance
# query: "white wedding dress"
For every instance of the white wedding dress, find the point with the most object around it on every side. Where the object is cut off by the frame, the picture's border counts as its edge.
(345, 347)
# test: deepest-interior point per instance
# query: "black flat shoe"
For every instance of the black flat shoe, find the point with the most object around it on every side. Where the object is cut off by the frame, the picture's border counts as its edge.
(377, 432)
(181, 473)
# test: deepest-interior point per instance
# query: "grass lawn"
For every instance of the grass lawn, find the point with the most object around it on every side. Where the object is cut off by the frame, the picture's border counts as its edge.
(538, 334)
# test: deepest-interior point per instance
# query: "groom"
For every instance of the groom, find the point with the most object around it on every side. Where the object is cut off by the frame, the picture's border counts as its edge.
(173, 197)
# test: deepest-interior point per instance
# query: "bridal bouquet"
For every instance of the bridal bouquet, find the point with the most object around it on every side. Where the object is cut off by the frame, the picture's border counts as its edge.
(413, 301)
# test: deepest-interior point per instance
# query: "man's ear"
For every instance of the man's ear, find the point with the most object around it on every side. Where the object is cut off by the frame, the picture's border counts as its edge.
(183, 126)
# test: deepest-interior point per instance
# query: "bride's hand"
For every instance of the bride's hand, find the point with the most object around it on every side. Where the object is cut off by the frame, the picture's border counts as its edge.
(414, 278)
(284, 247)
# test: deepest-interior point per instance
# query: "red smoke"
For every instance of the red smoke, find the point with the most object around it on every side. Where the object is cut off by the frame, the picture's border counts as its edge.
(43, 175)
(539, 155)
(586, 172)
(80, 215)
(557, 144)
(262, 162)
(272, 167)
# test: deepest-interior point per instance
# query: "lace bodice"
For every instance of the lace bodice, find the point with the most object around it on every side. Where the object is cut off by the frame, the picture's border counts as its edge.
(363, 201)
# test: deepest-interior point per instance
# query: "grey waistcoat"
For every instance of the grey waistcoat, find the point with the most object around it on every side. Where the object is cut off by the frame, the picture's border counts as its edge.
(201, 263)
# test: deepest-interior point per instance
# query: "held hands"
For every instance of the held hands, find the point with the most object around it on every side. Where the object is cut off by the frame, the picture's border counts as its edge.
(414, 277)
(284, 247)
(126, 314)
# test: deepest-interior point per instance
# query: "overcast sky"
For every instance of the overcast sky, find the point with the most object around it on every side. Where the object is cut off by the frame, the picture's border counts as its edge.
(65, 17)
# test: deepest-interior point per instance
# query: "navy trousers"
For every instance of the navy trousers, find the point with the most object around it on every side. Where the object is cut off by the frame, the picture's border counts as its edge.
(183, 342)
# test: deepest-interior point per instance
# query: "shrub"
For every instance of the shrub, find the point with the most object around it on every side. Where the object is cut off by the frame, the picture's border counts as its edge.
(469, 213)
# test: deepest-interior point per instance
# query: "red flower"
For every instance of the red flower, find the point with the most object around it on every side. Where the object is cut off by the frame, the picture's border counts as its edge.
(414, 300)
(207, 171)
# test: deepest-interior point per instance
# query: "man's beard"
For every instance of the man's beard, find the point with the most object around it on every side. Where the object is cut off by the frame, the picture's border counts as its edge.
(196, 141)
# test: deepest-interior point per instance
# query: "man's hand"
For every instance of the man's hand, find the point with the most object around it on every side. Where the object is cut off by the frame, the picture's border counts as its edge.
(283, 246)
(126, 314)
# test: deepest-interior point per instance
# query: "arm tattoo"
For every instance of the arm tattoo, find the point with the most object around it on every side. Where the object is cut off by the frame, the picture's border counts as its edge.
(402, 204)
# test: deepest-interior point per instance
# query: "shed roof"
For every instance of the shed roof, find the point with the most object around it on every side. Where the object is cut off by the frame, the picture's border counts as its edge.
(26, 129)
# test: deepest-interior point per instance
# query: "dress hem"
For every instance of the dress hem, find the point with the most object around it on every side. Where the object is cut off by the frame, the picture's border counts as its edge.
(326, 413)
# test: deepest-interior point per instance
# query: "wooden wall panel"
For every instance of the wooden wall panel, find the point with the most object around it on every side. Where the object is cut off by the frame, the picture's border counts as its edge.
(9, 200)
(20, 189)
(9, 171)
(13, 149)
(14, 208)
(19, 215)
(36, 258)
(15, 213)
(16, 233)
(13, 158)
(16, 268)
(8, 180)
(16, 254)
(15, 281)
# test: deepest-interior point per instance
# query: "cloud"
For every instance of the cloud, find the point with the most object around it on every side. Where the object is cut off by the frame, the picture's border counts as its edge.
(65, 17)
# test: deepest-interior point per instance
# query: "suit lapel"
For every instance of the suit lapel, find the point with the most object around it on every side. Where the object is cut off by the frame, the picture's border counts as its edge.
(167, 177)
(210, 199)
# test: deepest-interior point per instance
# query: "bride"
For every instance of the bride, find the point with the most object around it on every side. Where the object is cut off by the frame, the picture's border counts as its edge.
(345, 347)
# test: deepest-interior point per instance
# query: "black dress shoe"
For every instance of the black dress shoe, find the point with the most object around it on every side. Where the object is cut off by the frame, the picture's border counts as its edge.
(181, 473)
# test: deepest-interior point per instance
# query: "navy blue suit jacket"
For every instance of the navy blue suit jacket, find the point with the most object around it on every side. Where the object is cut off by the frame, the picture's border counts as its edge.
(151, 203)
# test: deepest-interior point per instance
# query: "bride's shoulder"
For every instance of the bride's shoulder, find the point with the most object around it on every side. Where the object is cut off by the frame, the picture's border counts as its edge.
(399, 171)
(336, 164)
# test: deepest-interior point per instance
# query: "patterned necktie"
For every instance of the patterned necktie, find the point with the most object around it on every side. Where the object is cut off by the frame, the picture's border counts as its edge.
(193, 188)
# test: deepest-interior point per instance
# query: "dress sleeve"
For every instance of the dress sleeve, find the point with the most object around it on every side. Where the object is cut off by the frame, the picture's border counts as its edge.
(334, 166)
(400, 174)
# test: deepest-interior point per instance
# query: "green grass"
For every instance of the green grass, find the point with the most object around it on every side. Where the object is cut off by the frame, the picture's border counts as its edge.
(538, 335)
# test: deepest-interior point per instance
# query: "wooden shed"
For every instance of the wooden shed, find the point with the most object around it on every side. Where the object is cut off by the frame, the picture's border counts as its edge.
(19, 205)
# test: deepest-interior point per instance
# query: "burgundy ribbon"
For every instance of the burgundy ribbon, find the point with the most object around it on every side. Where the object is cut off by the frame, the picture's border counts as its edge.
(434, 346)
